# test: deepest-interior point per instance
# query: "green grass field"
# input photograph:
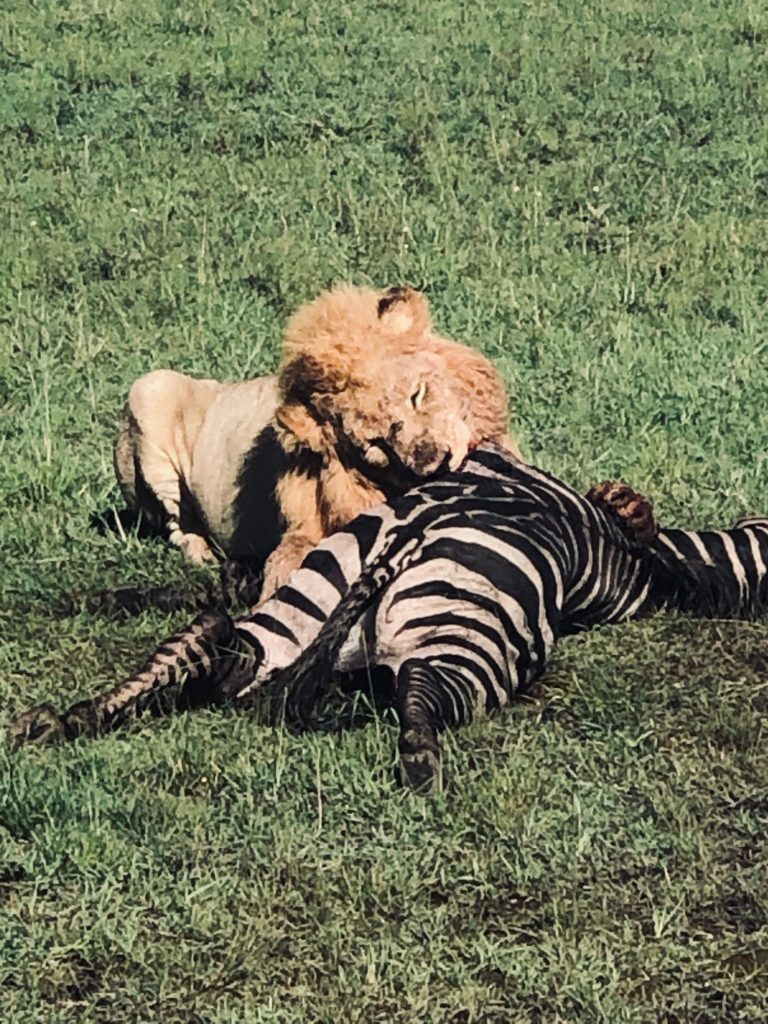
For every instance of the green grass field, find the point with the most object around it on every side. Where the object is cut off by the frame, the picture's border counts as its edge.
(582, 190)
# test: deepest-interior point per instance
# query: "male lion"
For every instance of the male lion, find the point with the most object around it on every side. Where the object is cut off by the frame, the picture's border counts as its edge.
(368, 400)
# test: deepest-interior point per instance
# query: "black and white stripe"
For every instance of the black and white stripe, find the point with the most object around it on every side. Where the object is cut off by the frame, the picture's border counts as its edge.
(459, 589)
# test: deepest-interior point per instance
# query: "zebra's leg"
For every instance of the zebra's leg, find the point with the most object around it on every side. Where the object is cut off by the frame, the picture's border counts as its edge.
(195, 663)
(632, 512)
(428, 701)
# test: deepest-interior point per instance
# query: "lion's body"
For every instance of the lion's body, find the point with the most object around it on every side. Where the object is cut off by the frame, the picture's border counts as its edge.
(185, 444)
(368, 401)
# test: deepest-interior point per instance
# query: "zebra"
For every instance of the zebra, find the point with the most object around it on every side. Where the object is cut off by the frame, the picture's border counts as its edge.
(452, 595)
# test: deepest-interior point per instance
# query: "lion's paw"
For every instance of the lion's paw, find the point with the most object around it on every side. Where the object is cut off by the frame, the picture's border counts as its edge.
(196, 548)
(632, 512)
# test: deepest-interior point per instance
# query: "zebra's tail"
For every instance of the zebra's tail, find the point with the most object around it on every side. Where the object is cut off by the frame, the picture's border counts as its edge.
(295, 690)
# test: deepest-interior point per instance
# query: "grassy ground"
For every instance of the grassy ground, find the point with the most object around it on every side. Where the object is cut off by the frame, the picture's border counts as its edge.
(585, 199)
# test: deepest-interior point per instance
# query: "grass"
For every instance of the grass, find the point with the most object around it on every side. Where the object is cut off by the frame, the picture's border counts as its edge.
(585, 199)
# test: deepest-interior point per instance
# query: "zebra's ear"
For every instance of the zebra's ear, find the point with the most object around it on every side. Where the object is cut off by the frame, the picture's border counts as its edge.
(404, 311)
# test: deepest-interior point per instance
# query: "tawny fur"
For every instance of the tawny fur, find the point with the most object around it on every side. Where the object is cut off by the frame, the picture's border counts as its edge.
(369, 398)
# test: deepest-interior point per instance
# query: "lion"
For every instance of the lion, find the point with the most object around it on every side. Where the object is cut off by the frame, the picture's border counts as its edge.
(367, 401)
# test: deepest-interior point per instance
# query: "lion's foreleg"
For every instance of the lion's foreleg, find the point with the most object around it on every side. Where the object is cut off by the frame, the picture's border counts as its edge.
(299, 497)
(286, 557)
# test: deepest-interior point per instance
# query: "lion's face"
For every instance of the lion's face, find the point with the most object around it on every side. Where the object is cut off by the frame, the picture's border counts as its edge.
(402, 426)
(366, 381)
(371, 402)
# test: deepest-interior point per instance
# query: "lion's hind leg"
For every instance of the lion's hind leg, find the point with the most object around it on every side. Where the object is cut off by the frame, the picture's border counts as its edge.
(154, 449)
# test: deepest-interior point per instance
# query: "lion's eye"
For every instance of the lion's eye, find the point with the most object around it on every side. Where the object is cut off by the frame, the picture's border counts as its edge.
(418, 395)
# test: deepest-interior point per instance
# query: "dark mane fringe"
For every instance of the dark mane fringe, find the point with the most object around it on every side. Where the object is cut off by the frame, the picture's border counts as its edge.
(710, 591)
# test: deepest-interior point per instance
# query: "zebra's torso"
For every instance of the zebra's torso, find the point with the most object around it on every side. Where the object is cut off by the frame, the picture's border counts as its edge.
(487, 568)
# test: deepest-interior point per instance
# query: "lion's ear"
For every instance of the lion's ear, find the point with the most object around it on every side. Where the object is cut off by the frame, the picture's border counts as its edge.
(299, 428)
(404, 311)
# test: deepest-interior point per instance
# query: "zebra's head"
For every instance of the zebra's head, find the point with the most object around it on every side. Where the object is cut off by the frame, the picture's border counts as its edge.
(365, 380)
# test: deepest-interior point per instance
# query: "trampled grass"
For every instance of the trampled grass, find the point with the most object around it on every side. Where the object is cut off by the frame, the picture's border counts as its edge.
(583, 192)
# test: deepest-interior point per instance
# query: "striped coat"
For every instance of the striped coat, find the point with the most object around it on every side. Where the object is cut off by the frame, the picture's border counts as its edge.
(455, 593)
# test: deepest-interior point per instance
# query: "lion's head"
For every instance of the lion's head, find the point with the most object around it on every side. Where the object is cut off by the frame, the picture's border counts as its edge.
(367, 382)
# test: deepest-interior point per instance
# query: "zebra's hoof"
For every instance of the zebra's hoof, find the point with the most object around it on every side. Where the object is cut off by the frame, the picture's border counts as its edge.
(40, 725)
(420, 772)
(420, 767)
(632, 512)
(81, 720)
